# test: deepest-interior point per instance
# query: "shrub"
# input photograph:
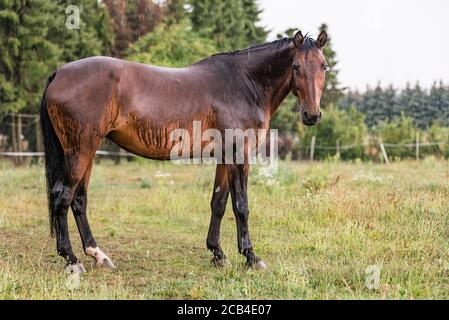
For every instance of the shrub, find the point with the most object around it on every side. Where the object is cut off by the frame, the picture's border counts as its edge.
(401, 130)
(347, 128)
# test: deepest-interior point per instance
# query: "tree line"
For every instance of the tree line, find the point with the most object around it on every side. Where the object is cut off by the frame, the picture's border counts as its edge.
(425, 107)
(34, 38)
(35, 41)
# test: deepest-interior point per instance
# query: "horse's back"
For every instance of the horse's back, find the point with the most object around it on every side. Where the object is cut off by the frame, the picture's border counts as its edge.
(136, 105)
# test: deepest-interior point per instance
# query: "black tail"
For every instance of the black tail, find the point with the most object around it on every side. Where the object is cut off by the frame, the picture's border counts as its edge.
(54, 155)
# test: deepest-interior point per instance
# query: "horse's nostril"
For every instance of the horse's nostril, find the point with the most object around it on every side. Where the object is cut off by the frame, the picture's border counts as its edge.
(305, 115)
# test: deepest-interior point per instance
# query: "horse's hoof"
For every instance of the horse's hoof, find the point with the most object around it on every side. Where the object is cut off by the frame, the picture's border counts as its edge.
(105, 263)
(77, 268)
(101, 259)
(220, 263)
(259, 265)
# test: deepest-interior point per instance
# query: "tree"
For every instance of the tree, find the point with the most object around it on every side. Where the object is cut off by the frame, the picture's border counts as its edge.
(332, 90)
(171, 46)
(94, 36)
(175, 11)
(254, 33)
(337, 128)
(438, 104)
(27, 56)
(132, 20)
(400, 130)
(231, 24)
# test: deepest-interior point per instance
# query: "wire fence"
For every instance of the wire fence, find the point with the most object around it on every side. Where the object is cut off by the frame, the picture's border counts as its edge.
(415, 147)
(20, 138)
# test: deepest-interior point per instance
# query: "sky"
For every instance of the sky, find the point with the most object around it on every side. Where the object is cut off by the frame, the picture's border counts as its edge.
(391, 41)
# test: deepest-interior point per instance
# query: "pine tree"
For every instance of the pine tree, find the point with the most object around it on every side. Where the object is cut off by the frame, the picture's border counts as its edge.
(94, 36)
(413, 101)
(231, 24)
(253, 32)
(438, 101)
(27, 56)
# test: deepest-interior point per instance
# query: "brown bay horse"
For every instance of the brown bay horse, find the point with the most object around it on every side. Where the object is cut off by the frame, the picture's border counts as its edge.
(137, 106)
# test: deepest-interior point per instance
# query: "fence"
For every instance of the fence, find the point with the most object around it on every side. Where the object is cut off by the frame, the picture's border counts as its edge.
(417, 145)
(21, 138)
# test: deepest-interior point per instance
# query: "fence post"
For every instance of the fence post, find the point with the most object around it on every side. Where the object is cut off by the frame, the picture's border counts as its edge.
(417, 145)
(338, 148)
(13, 135)
(382, 148)
(312, 148)
(38, 135)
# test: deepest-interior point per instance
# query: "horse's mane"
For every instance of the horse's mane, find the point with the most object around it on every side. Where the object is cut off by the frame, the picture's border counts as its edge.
(279, 44)
(252, 63)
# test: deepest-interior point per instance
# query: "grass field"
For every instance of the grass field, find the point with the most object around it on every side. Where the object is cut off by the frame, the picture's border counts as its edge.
(318, 226)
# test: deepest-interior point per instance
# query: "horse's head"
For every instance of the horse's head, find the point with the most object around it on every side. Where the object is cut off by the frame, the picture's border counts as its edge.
(309, 69)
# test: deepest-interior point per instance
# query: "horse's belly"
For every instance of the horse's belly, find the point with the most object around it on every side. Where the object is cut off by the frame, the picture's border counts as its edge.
(156, 147)
(162, 140)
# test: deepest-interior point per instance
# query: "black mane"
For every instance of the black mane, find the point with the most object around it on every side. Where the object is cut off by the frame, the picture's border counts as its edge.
(309, 43)
(258, 67)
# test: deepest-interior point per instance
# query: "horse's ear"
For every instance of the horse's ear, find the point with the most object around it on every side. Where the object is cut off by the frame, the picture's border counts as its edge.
(298, 39)
(322, 39)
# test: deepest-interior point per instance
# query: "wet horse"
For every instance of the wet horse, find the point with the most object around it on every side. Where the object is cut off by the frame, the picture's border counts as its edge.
(137, 106)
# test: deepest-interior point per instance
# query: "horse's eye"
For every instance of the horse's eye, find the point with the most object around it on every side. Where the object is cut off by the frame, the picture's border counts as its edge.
(326, 67)
(295, 67)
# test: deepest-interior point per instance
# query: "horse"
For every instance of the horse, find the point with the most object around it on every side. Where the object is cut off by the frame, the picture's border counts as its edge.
(137, 106)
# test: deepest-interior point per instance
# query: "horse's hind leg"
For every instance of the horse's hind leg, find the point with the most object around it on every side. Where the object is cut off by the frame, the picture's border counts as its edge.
(79, 208)
(61, 195)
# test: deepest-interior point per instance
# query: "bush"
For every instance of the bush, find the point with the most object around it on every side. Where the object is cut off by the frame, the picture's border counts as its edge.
(345, 128)
(171, 46)
(437, 133)
(401, 130)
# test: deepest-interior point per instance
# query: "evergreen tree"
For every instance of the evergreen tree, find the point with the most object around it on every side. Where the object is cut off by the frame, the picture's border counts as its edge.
(413, 103)
(94, 36)
(27, 56)
(231, 24)
(438, 102)
(254, 33)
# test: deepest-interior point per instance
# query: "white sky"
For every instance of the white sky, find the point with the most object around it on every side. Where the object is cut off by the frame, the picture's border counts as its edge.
(392, 41)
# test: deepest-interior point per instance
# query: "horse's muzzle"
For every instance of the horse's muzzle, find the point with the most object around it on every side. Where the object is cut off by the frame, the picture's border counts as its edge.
(310, 119)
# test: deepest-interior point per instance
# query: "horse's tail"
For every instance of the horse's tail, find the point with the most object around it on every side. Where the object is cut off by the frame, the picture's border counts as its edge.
(54, 155)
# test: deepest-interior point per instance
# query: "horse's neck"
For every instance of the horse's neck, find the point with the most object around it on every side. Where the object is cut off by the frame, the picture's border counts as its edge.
(271, 74)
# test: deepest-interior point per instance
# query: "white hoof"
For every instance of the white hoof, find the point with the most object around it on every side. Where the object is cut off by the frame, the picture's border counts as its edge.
(260, 265)
(101, 259)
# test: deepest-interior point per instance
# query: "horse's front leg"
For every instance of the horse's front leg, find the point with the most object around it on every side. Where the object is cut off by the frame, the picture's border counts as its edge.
(218, 207)
(238, 182)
